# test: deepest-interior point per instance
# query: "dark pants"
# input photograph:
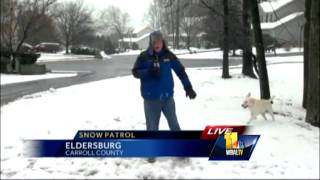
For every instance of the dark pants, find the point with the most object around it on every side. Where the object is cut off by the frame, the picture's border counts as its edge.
(153, 109)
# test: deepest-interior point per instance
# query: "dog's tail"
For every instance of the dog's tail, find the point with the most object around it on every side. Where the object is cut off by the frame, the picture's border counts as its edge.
(271, 99)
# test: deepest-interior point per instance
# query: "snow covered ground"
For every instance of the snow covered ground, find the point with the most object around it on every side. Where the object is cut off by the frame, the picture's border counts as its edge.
(15, 78)
(130, 52)
(288, 147)
(214, 53)
(218, 54)
(48, 57)
(202, 54)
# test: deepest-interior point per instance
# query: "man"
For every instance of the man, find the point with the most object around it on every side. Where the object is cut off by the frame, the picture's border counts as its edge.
(153, 68)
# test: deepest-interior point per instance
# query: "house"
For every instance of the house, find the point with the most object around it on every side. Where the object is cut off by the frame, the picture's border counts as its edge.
(283, 20)
(138, 39)
(195, 40)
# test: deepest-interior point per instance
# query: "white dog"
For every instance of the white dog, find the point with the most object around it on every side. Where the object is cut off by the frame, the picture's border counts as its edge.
(258, 106)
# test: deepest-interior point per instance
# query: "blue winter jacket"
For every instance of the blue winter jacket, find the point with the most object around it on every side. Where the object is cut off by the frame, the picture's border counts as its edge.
(159, 88)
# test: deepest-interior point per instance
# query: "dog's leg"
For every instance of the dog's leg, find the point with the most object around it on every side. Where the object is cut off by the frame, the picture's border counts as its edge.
(264, 116)
(251, 118)
(270, 111)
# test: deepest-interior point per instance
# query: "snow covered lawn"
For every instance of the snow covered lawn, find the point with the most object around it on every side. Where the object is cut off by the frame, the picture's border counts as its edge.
(218, 54)
(176, 51)
(288, 147)
(15, 78)
(214, 53)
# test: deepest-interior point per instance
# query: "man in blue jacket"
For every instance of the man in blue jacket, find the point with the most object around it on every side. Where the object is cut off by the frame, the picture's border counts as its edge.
(153, 68)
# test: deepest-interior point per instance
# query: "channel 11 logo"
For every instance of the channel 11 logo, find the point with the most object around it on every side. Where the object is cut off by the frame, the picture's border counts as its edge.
(231, 146)
(234, 147)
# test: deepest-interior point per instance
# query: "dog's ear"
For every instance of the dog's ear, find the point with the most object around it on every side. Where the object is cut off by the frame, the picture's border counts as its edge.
(249, 94)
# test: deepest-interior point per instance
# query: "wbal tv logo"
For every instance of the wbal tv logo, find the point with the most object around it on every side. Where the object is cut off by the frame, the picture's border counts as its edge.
(231, 144)
(234, 146)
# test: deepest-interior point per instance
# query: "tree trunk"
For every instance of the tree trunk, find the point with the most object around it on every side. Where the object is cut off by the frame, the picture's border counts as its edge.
(313, 94)
(188, 42)
(233, 52)
(306, 51)
(264, 80)
(67, 47)
(225, 61)
(177, 25)
(247, 66)
(172, 27)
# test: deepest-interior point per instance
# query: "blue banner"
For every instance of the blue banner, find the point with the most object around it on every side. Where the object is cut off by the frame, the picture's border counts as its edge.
(228, 146)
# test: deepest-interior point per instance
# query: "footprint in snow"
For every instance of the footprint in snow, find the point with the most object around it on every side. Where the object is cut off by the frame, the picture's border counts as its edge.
(9, 174)
(81, 170)
(117, 119)
(4, 159)
(8, 147)
(91, 173)
(31, 164)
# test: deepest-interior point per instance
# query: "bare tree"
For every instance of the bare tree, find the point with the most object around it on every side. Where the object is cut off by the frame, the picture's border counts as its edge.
(211, 6)
(191, 23)
(167, 16)
(263, 73)
(313, 90)
(19, 19)
(116, 20)
(247, 64)
(48, 33)
(307, 14)
(177, 24)
(225, 61)
(73, 20)
(155, 15)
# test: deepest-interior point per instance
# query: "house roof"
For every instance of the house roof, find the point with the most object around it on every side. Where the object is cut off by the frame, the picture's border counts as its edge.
(139, 29)
(271, 25)
(135, 39)
(273, 5)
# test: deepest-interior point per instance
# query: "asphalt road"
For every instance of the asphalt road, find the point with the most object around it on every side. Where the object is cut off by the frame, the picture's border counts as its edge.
(90, 70)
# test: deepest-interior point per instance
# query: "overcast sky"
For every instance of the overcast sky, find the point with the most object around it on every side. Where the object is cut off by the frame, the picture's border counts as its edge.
(136, 8)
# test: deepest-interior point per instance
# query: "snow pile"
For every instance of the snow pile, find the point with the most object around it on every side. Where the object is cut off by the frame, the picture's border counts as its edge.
(130, 52)
(110, 104)
(48, 57)
(14, 78)
(104, 55)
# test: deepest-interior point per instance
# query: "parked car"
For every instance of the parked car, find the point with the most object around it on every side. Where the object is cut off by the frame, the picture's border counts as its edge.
(26, 48)
(48, 47)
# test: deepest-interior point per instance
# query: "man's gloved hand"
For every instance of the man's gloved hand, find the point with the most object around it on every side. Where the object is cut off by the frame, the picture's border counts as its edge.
(156, 69)
(191, 93)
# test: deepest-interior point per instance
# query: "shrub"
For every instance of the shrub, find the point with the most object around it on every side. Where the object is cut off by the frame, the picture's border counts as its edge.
(24, 58)
(83, 51)
(28, 58)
